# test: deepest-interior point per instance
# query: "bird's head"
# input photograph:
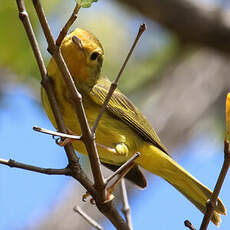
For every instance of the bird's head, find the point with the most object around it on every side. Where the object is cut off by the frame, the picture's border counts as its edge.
(83, 55)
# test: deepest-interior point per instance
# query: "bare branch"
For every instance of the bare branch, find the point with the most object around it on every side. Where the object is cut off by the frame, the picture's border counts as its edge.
(123, 167)
(54, 133)
(68, 24)
(14, 164)
(126, 208)
(77, 173)
(87, 136)
(87, 218)
(189, 225)
(211, 204)
(98, 189)
(113, 86)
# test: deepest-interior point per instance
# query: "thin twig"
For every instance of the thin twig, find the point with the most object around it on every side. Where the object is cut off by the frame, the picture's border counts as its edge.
(123, 167)
(68, 24)
(87, 218)
(189, 225)
(113, 86)
(126, 208)
(87, 136)
(49, 171)
(211, 204)
(54, 133)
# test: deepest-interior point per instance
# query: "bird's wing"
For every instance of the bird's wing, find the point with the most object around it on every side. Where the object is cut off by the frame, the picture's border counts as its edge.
(120, 106)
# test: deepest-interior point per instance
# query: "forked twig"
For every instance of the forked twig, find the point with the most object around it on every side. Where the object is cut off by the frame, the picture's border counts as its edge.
(107, 209)
(113, 86)
(76, 98)
(98, 191)
(87, 218)
(77, 172)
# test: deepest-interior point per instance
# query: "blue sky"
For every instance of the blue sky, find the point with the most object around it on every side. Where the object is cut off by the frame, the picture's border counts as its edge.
(27, 196)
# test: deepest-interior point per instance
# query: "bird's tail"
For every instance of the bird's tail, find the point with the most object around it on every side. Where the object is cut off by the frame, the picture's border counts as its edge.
(161, 164)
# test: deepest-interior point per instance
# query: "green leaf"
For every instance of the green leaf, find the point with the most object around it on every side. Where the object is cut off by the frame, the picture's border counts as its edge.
(85, 3)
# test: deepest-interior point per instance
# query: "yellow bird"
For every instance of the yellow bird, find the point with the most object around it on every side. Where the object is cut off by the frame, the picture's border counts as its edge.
(123, 130)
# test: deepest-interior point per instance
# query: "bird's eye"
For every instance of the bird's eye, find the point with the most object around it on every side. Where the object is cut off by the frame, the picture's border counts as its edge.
(94, 56)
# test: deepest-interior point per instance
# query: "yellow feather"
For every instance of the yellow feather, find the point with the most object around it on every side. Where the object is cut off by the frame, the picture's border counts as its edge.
(123, 130)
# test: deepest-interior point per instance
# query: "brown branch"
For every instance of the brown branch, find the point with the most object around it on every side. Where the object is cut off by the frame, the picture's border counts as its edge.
(15, 164)
(98, 189)
(113, 86)
(183, 17)
(211, 204)
(126, 208)
(87, 136)
(87, 218)
(68, 24)
(189, 225)
(76, 171)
